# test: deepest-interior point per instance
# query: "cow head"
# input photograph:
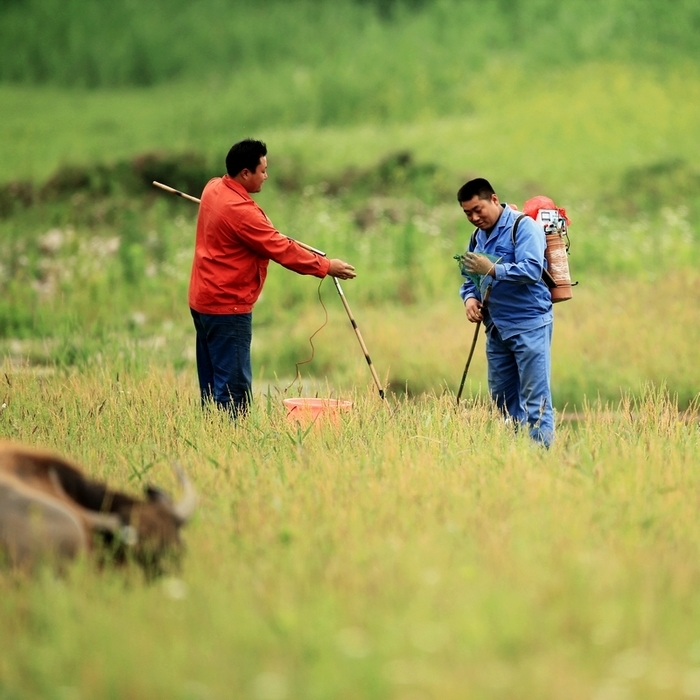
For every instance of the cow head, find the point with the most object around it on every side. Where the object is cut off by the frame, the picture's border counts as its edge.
(148, 531)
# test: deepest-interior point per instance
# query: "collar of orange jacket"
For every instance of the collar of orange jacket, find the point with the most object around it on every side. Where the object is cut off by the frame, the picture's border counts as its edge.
(236, 186)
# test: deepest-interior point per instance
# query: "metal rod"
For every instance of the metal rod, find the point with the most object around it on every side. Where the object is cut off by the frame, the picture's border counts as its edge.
(471, 350)
(172, 190)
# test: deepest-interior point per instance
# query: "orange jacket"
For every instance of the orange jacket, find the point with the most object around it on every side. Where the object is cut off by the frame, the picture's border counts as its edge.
(235, 243)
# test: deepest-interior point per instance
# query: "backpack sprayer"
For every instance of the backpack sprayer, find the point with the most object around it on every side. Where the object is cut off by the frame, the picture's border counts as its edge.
(555, 223)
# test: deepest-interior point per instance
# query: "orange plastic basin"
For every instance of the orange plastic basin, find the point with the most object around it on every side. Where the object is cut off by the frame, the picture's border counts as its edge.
(308, 410)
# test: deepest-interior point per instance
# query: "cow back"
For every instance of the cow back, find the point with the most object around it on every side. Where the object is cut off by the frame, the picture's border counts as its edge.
(33, 467)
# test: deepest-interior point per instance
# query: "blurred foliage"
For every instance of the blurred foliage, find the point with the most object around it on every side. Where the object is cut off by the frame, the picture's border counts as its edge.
(396, 173)
(71, 42)
(104, 238)
(188, 172)
(674, 182)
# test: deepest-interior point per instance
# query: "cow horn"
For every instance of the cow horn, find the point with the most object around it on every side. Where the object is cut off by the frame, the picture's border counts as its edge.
(184, 508)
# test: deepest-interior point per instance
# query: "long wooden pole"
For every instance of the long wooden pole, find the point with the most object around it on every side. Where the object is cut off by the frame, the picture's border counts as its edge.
(346, 306)
(359, 337)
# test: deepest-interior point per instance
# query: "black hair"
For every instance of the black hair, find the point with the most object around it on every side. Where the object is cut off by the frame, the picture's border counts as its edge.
(244, 155)
(475, 188)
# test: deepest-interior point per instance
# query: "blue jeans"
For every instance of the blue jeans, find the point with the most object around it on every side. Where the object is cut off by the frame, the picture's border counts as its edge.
(223, 359)
(519, 379)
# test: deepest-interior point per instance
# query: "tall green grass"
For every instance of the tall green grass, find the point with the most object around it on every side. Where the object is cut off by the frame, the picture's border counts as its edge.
(575, 131)
(416, 551)
(72, 43)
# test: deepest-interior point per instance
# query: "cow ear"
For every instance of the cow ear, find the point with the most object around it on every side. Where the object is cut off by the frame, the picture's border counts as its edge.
(156, 495)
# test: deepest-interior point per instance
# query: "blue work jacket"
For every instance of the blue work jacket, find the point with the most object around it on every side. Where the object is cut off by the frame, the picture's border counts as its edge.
(519, 300)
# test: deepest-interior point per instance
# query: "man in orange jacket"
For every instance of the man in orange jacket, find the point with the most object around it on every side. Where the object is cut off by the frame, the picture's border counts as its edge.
(234, 245)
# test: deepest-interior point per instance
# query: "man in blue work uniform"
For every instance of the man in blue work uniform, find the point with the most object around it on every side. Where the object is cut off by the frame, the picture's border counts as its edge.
(518, 316)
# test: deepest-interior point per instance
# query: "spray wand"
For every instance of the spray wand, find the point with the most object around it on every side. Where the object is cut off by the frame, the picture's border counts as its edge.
(471, 350)
(476, 279)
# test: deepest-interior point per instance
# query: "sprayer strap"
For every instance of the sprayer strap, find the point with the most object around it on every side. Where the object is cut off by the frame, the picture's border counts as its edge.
(516, 223)
(546, 276)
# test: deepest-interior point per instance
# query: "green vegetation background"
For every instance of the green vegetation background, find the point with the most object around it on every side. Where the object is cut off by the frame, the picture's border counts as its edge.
(415, 552)
(374, 112)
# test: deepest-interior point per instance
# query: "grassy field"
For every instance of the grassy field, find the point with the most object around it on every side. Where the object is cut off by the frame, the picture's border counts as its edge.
(409, 551)
(412, 550)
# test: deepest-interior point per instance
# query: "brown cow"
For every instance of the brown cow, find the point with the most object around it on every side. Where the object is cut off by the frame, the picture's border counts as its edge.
(49, 508)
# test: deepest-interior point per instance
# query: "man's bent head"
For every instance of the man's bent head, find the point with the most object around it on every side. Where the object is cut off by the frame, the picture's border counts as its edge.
(480, 203)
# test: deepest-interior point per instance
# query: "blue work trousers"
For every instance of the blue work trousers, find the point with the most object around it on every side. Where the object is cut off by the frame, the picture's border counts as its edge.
(519, 379)
(223, 359)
